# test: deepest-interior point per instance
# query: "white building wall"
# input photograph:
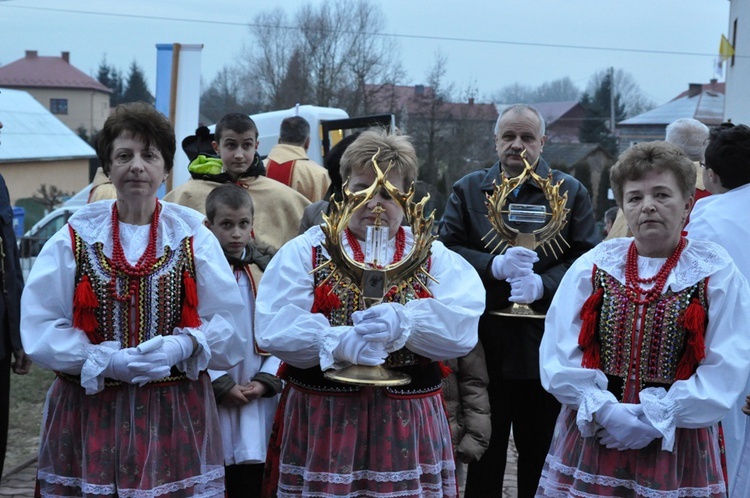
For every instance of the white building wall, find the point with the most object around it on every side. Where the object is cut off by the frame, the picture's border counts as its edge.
(737, 101)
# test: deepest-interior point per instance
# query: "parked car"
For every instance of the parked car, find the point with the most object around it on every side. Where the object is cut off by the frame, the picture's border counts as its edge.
(32, 241)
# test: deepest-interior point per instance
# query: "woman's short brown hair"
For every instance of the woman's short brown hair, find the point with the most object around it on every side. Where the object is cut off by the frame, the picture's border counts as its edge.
(394, 148)
(642, 158)
(141, 120)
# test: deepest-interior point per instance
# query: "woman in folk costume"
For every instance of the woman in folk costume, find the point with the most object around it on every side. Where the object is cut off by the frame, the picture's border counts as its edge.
(644, 344)
(333, 439)
(129, 303)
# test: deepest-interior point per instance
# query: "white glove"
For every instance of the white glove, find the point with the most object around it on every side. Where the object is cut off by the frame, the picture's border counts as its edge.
(625, 427)
(516, 262)
(162, 353)
(390, 315)
(526, 289)
(177, 348)
(362, 345)
(131, 366)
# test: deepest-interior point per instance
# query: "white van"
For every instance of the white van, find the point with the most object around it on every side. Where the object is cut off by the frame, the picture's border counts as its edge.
(328, 125)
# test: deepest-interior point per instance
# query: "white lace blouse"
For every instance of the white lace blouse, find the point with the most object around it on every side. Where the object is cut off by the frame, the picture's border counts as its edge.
(699, 401)
(47, 304)
(440, 328)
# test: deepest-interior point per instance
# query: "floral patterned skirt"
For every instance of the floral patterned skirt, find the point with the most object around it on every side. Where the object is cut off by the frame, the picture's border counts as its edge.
(364, 444)
(582, 467)
(138, 442)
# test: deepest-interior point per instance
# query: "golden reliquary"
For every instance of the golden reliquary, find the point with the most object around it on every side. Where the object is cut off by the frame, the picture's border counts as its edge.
(501, 235)
(373, 277)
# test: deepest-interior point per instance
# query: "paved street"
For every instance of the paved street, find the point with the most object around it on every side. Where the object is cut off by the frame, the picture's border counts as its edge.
(19, 481)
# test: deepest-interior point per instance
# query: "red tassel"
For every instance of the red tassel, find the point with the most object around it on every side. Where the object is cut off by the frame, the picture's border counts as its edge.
(587, 337)
(694, 322)
(445, 370)
(423, 293)
(190, 317)
(283, 371)
(84, 304)
(325, 300)
(592, 356)
(593, 304)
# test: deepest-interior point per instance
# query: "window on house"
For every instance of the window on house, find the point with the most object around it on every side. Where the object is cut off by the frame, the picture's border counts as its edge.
(58, 106)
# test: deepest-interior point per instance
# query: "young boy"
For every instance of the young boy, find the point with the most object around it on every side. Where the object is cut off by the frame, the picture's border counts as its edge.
(246, 394)
(279, 208)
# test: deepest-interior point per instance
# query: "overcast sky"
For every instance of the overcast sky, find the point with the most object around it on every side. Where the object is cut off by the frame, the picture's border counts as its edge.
(664, 44)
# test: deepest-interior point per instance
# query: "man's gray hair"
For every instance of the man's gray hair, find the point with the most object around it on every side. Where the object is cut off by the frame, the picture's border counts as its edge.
(521, 108)
(690, 135)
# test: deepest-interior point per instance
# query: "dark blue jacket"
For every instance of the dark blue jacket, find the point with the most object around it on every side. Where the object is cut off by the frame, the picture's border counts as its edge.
(11, 279)
(512, 344)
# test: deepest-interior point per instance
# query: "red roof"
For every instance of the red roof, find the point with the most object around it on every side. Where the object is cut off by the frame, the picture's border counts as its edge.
(697, 88)
(34, 71)
(416, 100)
(552, 111)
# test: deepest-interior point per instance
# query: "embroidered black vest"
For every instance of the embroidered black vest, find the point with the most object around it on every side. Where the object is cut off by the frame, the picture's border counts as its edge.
(664, 337)
(425, 374)
(158, 297)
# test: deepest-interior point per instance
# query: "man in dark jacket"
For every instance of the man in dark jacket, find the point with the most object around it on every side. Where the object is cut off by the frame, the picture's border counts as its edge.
(520, 275)
(11, 285)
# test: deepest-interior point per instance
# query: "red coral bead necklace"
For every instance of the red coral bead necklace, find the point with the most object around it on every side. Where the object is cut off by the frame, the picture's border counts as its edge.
(120, 264)
(632, 279)
(359, 256)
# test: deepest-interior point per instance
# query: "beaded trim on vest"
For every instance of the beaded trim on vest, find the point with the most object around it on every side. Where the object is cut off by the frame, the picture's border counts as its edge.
(426, 375)
(664, 342)
(158, 299)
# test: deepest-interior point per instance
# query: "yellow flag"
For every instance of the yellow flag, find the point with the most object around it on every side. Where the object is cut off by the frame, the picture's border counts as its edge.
(726, 50)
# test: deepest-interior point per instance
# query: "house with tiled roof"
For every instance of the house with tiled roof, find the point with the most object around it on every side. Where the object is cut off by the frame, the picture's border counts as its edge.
(575, 157)
(38, 148)
(562, 120)
(414, 103)
(467, 125)
(704, 102)
(78, 100)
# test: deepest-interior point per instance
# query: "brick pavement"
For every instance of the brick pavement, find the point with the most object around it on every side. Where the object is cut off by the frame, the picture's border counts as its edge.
(19, 481)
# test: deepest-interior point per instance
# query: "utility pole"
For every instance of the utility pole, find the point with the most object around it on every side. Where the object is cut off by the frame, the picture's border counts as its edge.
(612, 100)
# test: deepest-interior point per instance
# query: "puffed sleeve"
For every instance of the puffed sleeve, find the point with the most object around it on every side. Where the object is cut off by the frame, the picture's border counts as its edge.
(706, 397)
(699, 401)
(441, 327)
(219, 301)
(583, 389)
(285, 325)
(445, 326)
(47, 331)
(47, 319)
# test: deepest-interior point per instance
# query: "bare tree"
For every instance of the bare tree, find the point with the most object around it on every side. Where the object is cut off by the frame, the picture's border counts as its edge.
(295, 87)
(373, 61)
(227, 93)
(626, 88)
(515, 93)
(429, 122)
(50, 197)
(267, 58)
(328, 55)
(472, 142)
(560, 90)
(328, 36)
